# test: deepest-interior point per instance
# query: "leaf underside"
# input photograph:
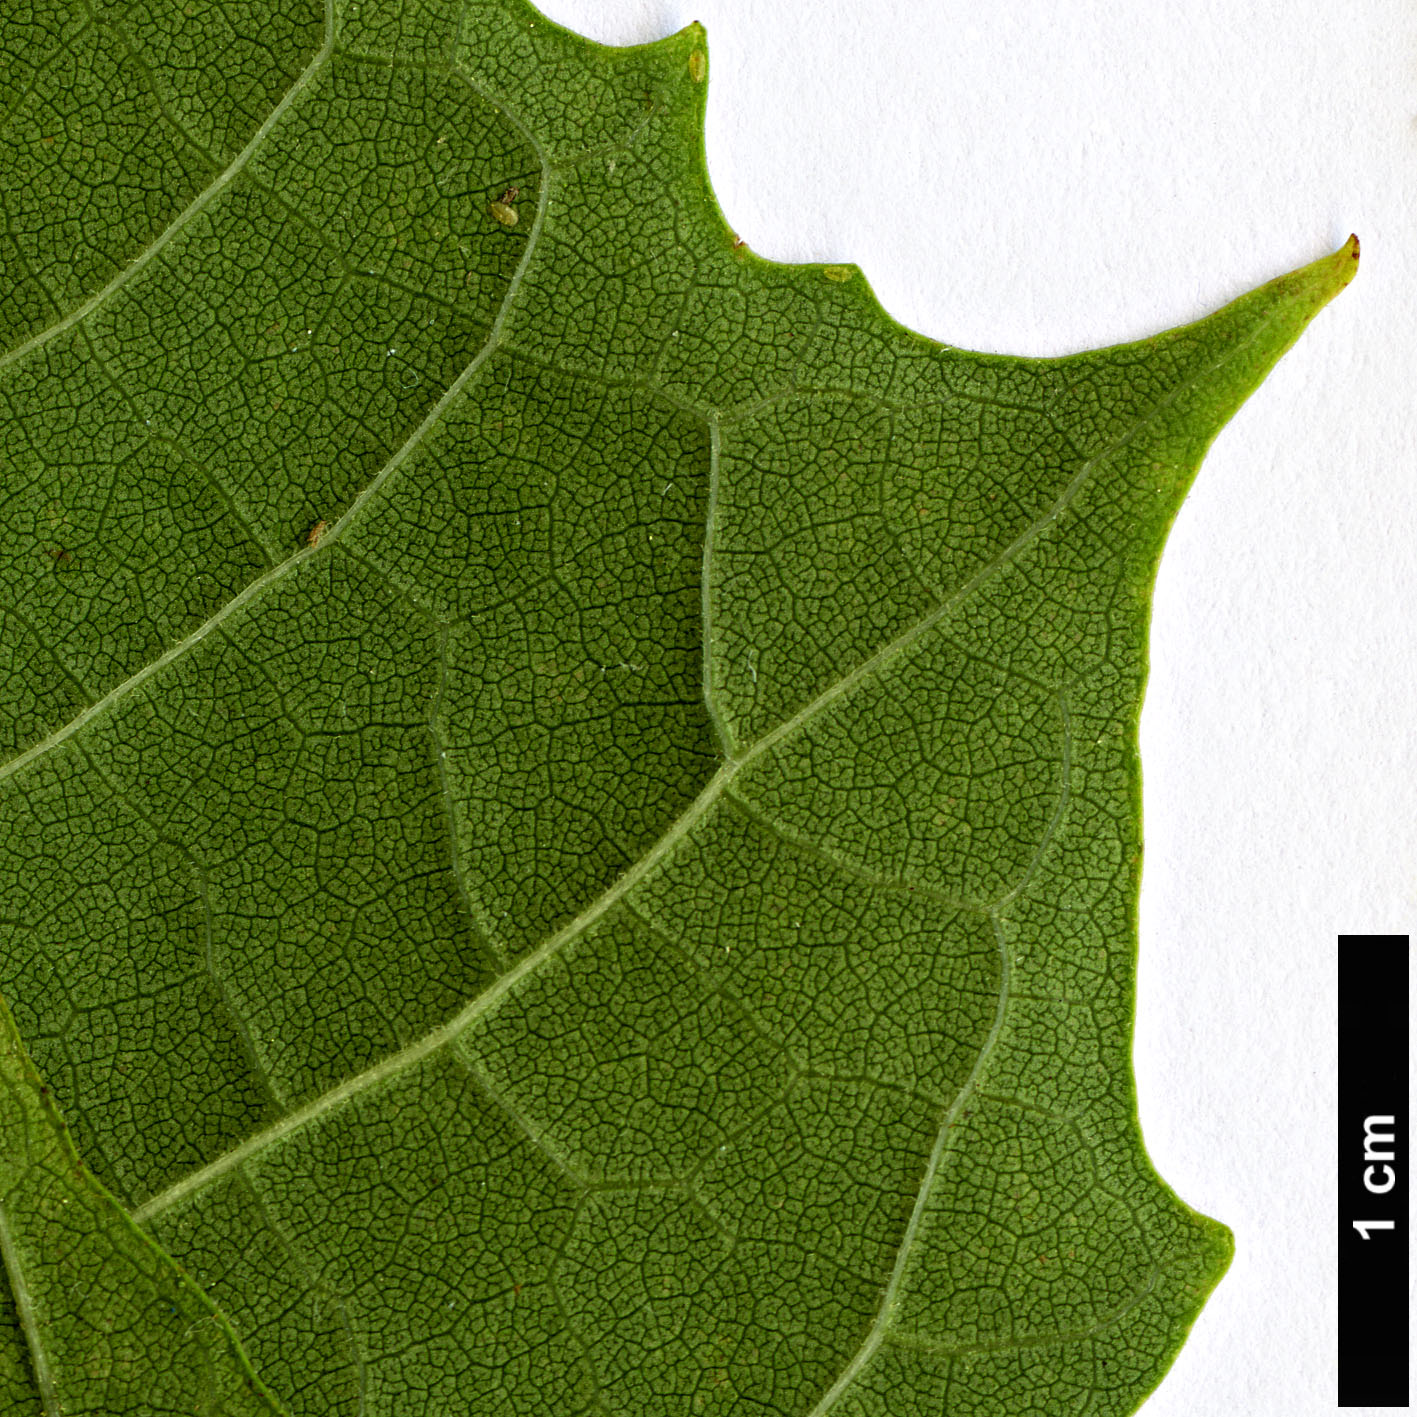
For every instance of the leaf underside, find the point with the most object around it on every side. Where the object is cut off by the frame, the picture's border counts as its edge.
(569, 833)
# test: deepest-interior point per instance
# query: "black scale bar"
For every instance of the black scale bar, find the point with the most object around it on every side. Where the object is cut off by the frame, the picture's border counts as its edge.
(1373, 1166)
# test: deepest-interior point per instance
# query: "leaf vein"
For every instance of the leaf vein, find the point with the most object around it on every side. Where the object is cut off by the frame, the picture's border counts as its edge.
(194, 208)
(708, 796)
(29, 1321)
(253, 590)
(1042, 1340)
(889, 1296)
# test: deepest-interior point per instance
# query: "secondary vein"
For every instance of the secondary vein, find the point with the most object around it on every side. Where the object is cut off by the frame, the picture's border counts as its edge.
(200, 202)
(435, 1039)
(885, 1313)
(255, 589)
(431, 1042)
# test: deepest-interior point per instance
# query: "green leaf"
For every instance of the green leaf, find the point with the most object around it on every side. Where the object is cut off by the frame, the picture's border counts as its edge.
(110, 1323)
(569, 832)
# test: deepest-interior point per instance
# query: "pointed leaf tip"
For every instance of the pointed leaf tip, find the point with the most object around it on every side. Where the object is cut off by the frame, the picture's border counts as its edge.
(1343, 264)
(1285, 306)
(1323, 280)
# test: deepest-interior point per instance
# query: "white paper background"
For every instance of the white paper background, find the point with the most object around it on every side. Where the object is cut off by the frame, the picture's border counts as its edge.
(1042, 177)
